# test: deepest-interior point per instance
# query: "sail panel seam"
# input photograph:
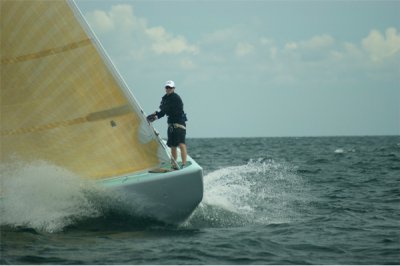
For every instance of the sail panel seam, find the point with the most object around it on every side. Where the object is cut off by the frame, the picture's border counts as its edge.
(96, 116)
(48, 52)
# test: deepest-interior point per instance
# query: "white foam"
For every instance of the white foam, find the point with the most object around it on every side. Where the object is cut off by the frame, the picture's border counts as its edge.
(339, 151)
(259, 192)
(43, 196)
(342, 150)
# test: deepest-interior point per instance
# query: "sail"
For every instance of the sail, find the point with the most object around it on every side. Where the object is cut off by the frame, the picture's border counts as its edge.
(61, 99)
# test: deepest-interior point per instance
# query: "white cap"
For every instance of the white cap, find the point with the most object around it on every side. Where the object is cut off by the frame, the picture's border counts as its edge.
(170, 83)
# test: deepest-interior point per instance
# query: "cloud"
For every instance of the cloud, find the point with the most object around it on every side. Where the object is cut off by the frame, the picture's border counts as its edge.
(100, 21)
(244, 48)
(119, 17)
(221, 35)
(318, 42)
(376, 49)
(271, 48)
(379, 46)
(133, 33)
(122, 16)
(322, 59)
(165, 43)
(315, 49)
(291, 46)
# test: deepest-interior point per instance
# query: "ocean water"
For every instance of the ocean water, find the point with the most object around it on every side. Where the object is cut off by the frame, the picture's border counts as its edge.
(317, 200)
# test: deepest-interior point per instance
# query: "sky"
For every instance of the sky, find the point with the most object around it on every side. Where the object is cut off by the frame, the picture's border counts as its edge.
(259, 68)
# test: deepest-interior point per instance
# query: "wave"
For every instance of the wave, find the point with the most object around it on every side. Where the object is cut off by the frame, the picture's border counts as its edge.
(44, 197)
(343, 151)
(48, 198)
(259, 192)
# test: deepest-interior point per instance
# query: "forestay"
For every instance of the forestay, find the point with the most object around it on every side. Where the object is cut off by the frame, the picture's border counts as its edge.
(62, 100)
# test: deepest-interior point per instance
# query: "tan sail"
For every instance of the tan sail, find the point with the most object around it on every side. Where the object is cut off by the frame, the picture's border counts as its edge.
(61, 101)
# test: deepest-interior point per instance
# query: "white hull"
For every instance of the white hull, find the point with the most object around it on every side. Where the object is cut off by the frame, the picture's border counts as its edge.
(170, 197)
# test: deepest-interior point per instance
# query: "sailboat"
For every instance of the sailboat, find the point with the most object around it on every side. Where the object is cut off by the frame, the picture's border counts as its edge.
(64, 102)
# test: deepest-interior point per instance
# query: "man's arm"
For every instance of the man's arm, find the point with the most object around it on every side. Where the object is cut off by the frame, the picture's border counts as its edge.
(159, 114)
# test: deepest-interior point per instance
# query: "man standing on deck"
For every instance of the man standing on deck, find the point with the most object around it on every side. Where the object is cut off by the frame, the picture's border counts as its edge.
(172, 106)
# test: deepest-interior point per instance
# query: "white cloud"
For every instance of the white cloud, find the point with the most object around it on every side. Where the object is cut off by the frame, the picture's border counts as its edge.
(120, 17)
(376, 48)
(351, 51)
(318, 42)
(315, 49)
(244, 48)
(221, 35)
(270, 46)
(380, 47)
(100, 21)
(266, 41)
(134, 33)
(291, 46)
(165, 43)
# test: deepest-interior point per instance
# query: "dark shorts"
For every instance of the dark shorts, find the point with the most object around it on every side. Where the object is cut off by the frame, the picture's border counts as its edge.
(176, 136)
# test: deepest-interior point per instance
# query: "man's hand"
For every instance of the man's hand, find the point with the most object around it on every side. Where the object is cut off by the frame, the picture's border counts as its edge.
(152, 118)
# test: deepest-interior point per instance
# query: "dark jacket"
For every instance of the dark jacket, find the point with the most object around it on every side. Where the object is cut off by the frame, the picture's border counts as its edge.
(172, 106)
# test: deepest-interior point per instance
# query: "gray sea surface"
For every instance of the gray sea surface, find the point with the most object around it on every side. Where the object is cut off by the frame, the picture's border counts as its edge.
(308, 200)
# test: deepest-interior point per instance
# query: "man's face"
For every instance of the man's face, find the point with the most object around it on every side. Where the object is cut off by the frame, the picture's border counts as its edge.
(169, 89)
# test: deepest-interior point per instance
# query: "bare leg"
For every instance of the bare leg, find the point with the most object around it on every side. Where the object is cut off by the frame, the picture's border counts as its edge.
(182, 147)
(174, 153)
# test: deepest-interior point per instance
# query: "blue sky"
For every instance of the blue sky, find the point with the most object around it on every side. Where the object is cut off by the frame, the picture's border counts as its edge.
(260, 68)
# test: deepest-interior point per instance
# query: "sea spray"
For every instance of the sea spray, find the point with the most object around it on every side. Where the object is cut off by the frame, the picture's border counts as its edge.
(44, 197)
(259, 192)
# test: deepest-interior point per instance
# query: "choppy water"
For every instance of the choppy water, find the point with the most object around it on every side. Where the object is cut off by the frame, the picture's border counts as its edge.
(330, 200)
